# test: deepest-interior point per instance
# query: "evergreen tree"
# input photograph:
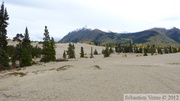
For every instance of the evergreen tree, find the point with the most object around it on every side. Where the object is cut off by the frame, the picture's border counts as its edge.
(64, 55)
(82, 52)
(26, 43)
(91, 56)
(26, 57)
(36, 51)
(130, 46)
(103, 51)
(170, 49)
(145, 52)
(71, 51)
(10, 50)
(95, 52)
(18, 49)
(48, 50)
(152, 49)
(106, 52)
(111, 50)
(3, 25)
(46, 46)
(4, 61)
(53, 51)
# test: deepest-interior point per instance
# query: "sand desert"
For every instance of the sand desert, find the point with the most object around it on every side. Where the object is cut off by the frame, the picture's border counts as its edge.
(93, 79)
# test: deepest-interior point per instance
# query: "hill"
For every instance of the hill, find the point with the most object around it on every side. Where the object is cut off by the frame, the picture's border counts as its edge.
(157, 36)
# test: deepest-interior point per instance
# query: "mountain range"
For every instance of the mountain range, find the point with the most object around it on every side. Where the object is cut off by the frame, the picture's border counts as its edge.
(156, 36)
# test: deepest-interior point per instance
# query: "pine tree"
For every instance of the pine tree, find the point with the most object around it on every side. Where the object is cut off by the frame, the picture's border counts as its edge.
(36, 51)
(82, 52)
(106, 52)
(130, 46)
(91, 56)
(47, 45)
(71, 51)
(26, 43)
(64, 55)
(10, 50)
(3, 25)
(4, 61)
(95, 52)
(111, 50)
(26, 57)
(53, 51)
(18, 49)
(145, 52)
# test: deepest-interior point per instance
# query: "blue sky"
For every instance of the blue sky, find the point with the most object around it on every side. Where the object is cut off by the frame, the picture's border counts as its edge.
(63, 16)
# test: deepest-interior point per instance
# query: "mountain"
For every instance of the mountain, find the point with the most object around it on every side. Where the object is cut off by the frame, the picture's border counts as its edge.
(157, 36)
(96, 35)
(174, 34)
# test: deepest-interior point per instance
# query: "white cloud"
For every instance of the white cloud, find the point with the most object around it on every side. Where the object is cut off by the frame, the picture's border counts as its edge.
(63, 16)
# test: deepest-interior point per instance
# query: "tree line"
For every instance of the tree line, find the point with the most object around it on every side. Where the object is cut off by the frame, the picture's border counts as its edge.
(22, 54)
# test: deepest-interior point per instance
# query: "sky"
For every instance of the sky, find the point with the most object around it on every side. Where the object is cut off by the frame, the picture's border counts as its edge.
(64, 16)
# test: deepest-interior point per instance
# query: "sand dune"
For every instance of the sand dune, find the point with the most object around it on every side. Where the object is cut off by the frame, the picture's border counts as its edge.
(80, 80)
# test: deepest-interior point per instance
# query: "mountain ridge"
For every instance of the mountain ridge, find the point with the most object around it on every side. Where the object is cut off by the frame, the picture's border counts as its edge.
(157, 36)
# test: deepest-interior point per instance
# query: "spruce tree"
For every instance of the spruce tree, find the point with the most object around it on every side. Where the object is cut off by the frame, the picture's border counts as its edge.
(53, 51)
(111, 50)
(3, 25)
(4, 61)
(106, 52)
(46, 46)
(145, 52)
(71, 51)
(48, 50)
(95, 52)
(26, 43)
(82, 52)
(91, 56)
(64, 55)
(18, 49)
(26, 57)
(130, 46)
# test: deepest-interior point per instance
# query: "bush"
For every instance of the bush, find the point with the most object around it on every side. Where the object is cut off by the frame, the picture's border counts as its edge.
(106, 52)
(95, 52)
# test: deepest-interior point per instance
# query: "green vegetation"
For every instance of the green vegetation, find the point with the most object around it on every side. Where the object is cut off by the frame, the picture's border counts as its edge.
(48, 50)
(26, 56)
(71, 51)
(4, 17)
(106, 52)
(4, 61)
(64, 55)
(91, 55)
(82, 53)
(95, 52)
(21, 74)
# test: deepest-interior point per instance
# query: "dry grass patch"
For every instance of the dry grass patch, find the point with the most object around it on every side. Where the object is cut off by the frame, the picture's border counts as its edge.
(64, 67)
(174, 63)
(61, 60)
(21, 74)
(97, 67)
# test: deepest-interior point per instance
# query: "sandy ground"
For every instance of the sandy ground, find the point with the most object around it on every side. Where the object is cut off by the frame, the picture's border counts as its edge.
(79, 79)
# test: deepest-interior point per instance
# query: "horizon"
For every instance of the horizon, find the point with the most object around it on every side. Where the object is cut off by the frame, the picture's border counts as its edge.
(125, 32)
(64, 16)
